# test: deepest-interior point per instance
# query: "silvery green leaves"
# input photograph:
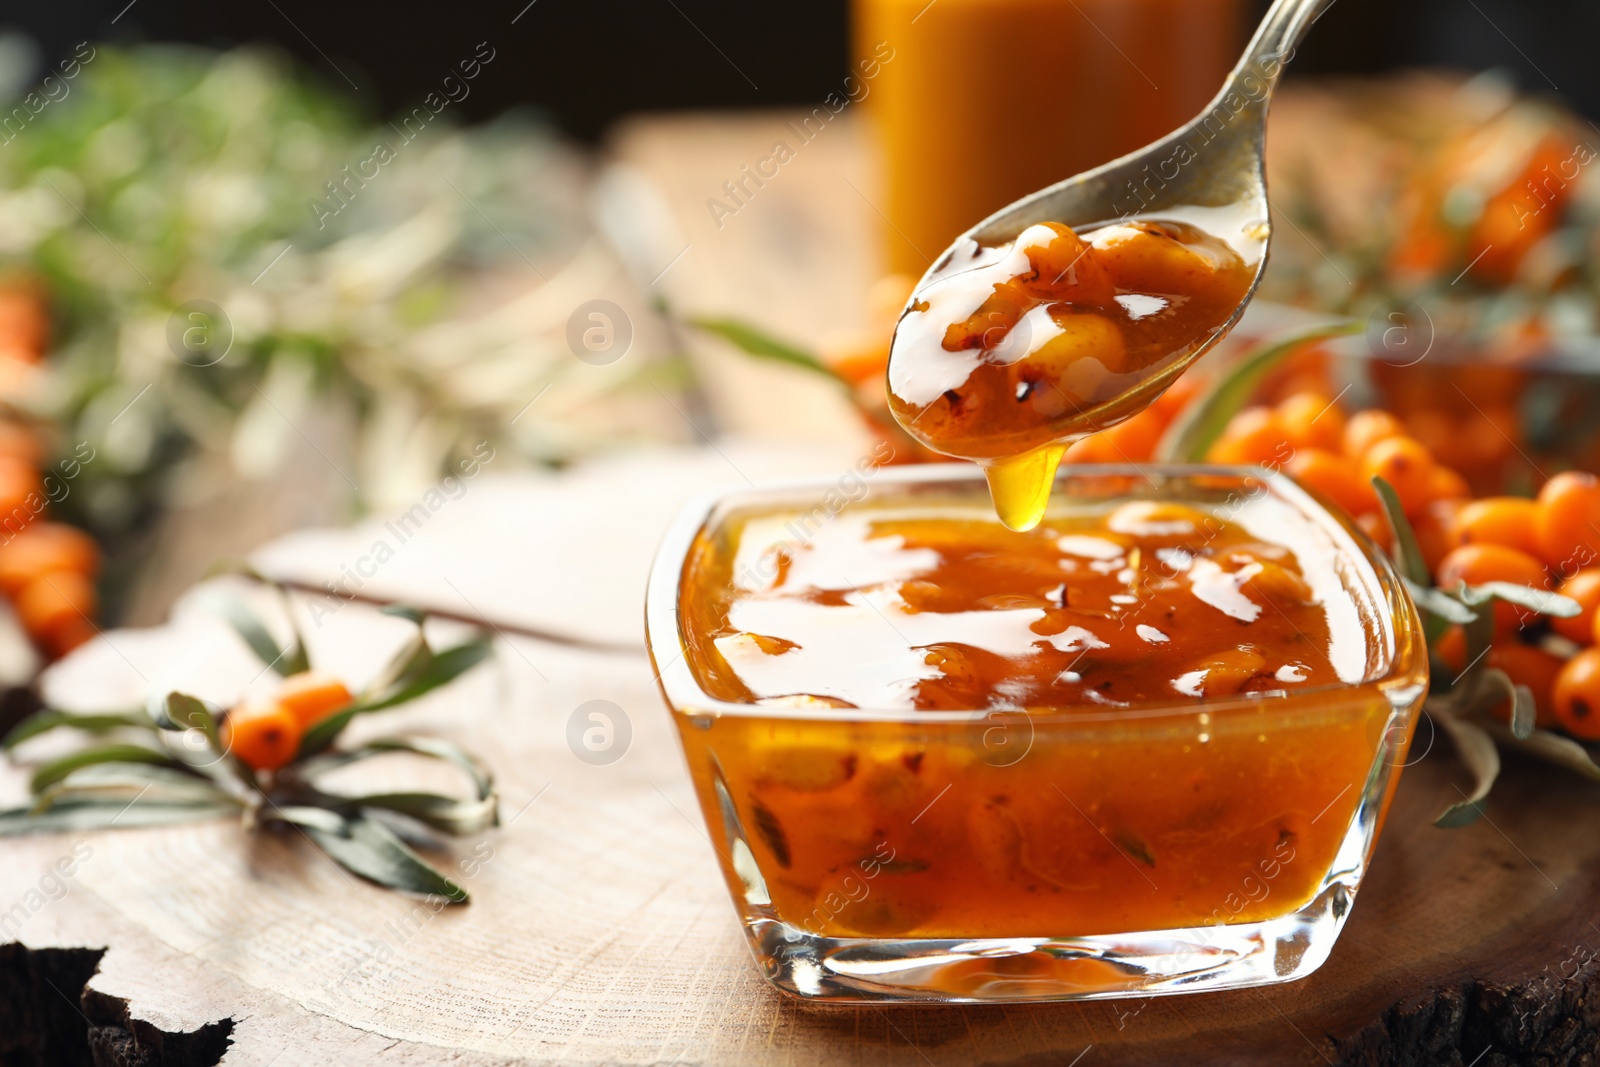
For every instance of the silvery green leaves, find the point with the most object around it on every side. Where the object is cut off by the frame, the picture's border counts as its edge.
(449, 814)
(170, 763)
(416, 669)
(139, 778)
(1467, 704)
(352, 828)
(355, 831)
(367, 847)
(284, 661)
(753, 341)
(1194, 432)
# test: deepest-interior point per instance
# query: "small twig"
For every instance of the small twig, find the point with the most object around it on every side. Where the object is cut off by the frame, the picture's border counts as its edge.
(537, 634)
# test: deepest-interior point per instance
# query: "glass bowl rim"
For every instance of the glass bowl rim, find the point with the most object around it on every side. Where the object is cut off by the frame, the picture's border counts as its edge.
(1398, 618)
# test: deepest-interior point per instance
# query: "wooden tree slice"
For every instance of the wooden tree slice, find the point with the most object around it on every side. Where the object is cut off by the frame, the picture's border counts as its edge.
(600, 931)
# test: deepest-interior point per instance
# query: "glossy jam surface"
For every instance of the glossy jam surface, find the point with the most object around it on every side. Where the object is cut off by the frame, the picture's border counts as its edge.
(1180, 718)
(1141, 603)
(1009, 353)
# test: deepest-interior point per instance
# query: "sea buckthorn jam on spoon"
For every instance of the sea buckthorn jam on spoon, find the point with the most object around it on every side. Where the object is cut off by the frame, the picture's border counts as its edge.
(1046, 322)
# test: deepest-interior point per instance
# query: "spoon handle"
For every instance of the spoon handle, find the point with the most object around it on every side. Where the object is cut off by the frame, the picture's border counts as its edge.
(1258, 70)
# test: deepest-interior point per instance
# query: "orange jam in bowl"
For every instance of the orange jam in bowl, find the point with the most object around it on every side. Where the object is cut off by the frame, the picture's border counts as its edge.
(1144, 747)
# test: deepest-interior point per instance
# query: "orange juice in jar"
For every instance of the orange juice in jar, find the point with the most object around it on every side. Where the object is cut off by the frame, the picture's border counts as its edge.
(981, 102)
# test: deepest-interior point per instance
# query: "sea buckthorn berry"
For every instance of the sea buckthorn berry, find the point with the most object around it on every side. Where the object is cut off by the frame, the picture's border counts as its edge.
(1096, 448)
(54, 608)
(1135, 441)
(1451, 649)
(1311, 420)
(1568, 524)
(24, 319)
(1367, 428)
(1407, 465)
(1152, 257)
(1479, 563)
(1584, 587)
(858, 360)
(1436, 533)
(1177, 397)
(1335, 477)
(1500, 520)
(45, 546)
(887, 297)
(263, 736)
(1436, 429)
(21, 494)
(1376, 526)
(1448, 484)
(1532, 667)
(1577, 695)
(1278, 584)
(1082, 336)
(992, 321)
(17, 440)
(1064, 268)
(311, 696)
(1226, 673)
(1252, 436)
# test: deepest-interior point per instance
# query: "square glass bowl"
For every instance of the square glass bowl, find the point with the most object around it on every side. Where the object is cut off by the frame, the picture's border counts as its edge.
(1053, 853)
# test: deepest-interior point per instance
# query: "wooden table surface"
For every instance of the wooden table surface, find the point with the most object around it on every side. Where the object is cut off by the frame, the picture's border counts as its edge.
(600, 931)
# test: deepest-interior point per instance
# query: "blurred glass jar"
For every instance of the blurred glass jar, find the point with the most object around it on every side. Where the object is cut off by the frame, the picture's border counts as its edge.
(978, 102)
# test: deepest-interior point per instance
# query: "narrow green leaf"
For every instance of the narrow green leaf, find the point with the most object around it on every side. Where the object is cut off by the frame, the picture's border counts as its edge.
(308, 816)
(1480, 636)
(1482, 759)
(1524, 713)
(154, 782)
(50, 773)
(1408, 554)
(249, 626)
(752, 340)
(1494, 688)
(431, 747)
(370, 849)
(443, 667)
(103, 814)
(433, 670)
(405, 611)
(43, 721)
(1548, 746)
(1408, 559)
(324, 732)
(1437, 602)
(1543, 601)
(411, 658)
(296, 659)
(452, 815)
(185, 712)
(1195, 430)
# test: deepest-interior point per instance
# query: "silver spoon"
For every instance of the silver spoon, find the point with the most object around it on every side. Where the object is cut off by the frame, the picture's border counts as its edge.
(1213, 167)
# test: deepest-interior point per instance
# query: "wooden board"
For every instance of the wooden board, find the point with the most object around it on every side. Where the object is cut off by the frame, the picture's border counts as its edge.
(601, 933)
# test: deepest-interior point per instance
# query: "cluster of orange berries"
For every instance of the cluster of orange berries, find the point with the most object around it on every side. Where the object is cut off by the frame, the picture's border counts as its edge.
(47, 570)
(1550, 543)
(265, 735)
